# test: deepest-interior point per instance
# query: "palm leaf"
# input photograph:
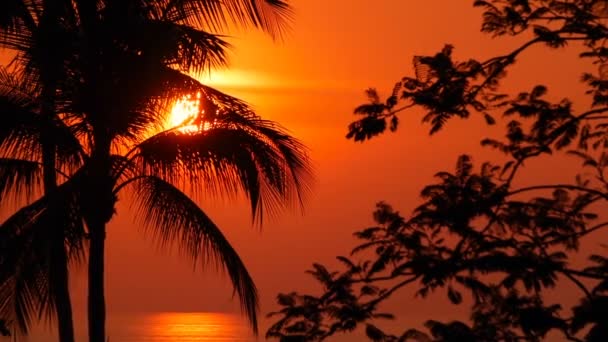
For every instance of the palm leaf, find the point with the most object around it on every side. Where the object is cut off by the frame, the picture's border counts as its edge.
(285, 165)
(294, 153)
(28, 249)
(221, 161)
(148, 89)
(21, 269)
(172, 217)
(20, 128)
(144, 63)
(182, 46)
(159, 86)
(19, 178)
(22, 125)
(12, 85)
(272, 16)
(16, 22)
(20, 137)
(11, 12)
(196, 50)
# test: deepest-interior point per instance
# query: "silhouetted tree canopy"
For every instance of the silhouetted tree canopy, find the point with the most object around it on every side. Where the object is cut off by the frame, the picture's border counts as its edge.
(478, 237)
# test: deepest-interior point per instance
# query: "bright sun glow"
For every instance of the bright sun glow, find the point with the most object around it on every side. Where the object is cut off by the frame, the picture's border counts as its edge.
(184, 112)
(196, 326)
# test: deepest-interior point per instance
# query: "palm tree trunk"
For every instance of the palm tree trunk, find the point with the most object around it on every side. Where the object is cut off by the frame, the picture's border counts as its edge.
(96, 300)
(59, 261)
(99, 206)
(50, 69)
(61, 293)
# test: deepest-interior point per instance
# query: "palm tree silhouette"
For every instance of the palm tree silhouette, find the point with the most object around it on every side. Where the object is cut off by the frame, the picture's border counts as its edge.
(22, 166)
(17, 24)
(119, 84)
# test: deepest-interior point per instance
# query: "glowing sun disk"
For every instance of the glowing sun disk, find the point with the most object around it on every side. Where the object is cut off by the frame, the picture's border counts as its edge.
(184, 111)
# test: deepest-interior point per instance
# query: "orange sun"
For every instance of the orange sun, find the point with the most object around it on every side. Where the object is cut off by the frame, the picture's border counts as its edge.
(183, 113)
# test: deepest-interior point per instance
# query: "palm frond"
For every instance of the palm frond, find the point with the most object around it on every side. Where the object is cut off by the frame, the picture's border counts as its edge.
(11, 11)
(225, 101)
(22, 124)
(196, 50)
(21, 91)
(222, 161)
(22, 271)
(20, 137)
(184, 47)
(28, 244)
(20, 128)
(294, 153)
(171, 217)
(19, 178)
(272, 16)
(262, 159)
(147, 90)
(159, 86)
(16, 22)
(148, 94)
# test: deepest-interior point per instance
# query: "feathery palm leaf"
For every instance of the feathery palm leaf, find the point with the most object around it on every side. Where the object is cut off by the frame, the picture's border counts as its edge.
(224, 161)
(11, 12)
(22, 124)
(226, 158)
(148, 89)
(16, 22)
(185, 47)
(158, 86)
(20, 127)
(291, 149)
(272, 16)
(16, 88)
(27, 255)
(172, 217)
(282, 159)
(19, 178)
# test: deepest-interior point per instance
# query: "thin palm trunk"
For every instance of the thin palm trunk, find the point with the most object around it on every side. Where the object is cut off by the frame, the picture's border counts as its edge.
(96, 300)
(98, 170)
(59, 261)
(99, 207)
(59, 266)
(60, 290)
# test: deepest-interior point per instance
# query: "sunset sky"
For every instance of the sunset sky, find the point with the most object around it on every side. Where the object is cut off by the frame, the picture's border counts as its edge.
(310, 82)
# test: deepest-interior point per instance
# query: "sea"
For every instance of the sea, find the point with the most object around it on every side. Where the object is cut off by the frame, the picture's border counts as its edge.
(171, 327)
(163, 327)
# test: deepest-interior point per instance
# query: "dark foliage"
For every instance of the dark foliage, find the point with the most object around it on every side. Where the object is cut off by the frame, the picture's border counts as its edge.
(478, 238)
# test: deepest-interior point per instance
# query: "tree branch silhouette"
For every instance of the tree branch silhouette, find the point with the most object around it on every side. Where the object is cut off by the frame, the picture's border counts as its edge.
(474, 231)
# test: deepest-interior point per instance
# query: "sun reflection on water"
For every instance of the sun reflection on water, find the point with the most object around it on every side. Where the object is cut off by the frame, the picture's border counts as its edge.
(183, 327)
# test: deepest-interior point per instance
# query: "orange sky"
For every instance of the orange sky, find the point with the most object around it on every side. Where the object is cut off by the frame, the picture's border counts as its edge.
(310, 83)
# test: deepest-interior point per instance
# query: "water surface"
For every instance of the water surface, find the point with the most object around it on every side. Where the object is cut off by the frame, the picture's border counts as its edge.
(164, 327)
(179, 327)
